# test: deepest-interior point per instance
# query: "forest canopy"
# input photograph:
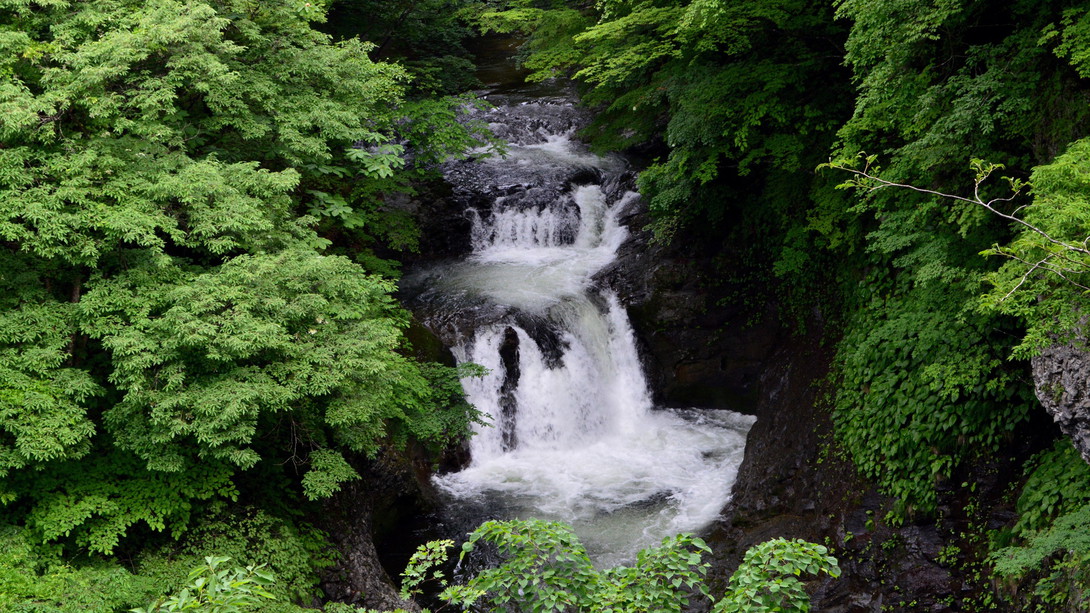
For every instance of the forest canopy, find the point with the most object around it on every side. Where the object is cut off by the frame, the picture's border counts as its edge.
(172, 319)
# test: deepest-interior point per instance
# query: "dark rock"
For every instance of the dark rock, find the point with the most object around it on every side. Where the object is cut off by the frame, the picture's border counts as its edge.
(509, 358)
(426, 346)
(699, 350)
(1061, 375)
(358, 578)
(443, 224)
(545, 335)
(373, 510)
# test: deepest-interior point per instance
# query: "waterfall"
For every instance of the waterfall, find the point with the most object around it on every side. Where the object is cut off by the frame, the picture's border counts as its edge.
(572, 432)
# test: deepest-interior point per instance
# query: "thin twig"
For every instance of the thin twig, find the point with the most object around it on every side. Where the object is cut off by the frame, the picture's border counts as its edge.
(977, 200)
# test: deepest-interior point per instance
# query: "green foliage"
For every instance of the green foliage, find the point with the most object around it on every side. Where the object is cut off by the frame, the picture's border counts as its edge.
(204, 358)
(1056, 558)
(340, 607)
(919, 356)
(43, 397)
(424, 559)
(328, 470)
(217, 589)
(664, 578)
(546, 568)
(922, 393)
(201, 358)
(168, 317)
(293, 551)
(93, 502)
(1047, 273)
(767, 579)
(426, 37)
(1059, 482)
(548, 51)
(36, 579)
(926, 379)
(1074, 39)
(171, 158)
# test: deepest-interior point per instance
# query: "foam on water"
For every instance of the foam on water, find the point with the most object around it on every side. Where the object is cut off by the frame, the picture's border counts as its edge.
(574, 434)
(591, 449)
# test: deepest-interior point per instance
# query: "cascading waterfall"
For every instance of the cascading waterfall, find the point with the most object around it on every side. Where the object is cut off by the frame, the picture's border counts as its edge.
(573, 433)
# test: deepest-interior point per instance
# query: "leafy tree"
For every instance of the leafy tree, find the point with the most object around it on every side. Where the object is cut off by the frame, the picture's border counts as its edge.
(427, 37)
(940, 84)
(1045, 279)
(169, 317)
(732, 90)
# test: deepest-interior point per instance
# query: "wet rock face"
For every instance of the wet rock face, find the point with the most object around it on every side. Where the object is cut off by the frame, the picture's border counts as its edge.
(796, 483)
(1061, 375)
(365, 522)
(358, 578)
(538, 179)
(444, 228)
(699, 349)
(509, 357)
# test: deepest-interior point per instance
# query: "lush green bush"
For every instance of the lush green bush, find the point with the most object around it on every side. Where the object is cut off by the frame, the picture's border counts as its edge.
(1058, 484)
(768, 578)
(545, 568)
(172, 319)
(292, 551)
(1055, 561)
(37, 579)
(923, 390)
(215, 588)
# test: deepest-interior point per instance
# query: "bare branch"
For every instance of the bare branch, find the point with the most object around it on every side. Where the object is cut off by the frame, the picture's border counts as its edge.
(1041, 264)
(976, 199)
(1022, 280)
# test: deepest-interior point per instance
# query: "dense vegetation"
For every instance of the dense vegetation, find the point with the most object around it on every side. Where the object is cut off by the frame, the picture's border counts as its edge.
(940, 276)
(545, 568)
(177, 328)
(197, 335)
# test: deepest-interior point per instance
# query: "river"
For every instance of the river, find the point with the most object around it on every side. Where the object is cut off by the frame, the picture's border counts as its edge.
(573, 433)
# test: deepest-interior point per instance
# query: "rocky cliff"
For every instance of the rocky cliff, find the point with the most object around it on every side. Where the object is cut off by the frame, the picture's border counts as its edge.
(1061, 376)
(706, 348)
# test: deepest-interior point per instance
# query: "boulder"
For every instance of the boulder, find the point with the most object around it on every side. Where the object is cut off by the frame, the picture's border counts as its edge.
(1061, 376)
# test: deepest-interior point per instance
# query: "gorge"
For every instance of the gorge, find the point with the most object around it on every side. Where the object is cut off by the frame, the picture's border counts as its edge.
(259, 261)
(571, 432)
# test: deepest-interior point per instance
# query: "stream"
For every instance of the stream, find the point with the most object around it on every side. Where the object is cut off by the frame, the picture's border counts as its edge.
(572, 434)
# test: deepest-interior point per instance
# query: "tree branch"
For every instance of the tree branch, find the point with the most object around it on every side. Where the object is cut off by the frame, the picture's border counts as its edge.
(865, 173)
(867, 178)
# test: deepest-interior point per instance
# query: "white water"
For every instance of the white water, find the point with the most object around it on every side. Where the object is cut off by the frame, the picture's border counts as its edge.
(586, 446)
